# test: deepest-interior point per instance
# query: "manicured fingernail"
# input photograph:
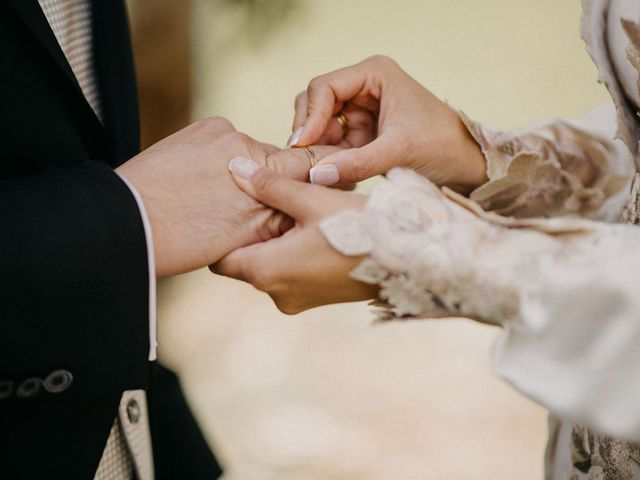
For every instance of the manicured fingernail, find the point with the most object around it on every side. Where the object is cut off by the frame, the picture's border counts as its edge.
(324, 174)
(243, 167)
(295, 137)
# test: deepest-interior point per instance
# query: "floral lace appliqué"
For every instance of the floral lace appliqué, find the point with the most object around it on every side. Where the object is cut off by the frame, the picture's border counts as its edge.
(601, 457)
(553, 171)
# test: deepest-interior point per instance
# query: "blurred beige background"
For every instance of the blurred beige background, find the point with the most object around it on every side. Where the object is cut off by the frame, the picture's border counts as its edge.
(326, 395)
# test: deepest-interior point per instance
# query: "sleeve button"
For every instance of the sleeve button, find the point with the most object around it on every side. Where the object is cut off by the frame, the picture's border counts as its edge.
(29, 388)
(6, 389)
(58, 381)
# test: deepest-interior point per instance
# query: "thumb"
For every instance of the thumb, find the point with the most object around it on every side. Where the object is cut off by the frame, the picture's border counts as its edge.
(272, 189)
(356, 164)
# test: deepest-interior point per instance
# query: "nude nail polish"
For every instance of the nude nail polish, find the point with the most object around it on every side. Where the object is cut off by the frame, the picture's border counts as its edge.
(295, 137)
(243, 167)
(324, 174)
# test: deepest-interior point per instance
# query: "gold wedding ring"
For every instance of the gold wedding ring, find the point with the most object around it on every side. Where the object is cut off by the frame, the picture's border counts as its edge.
(342, 120)
(311, 155)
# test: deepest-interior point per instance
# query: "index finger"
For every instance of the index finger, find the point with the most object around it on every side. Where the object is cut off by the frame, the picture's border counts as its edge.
(326, 96)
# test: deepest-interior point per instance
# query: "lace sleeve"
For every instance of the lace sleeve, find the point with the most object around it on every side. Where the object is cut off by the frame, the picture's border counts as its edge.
(563, 289)
(559, 168)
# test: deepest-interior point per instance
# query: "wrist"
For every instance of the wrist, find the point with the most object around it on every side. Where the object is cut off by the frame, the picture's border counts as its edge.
(466, 155)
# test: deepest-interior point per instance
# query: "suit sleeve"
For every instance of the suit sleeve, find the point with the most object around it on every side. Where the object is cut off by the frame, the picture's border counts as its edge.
(74, 284)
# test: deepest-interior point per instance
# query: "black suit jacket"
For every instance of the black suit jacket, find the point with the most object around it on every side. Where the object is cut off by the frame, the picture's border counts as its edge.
(73, 260)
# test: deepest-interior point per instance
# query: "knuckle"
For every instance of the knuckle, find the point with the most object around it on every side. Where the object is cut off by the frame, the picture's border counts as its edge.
(239, 138)
(380, 59)
(216, 122)
(261, 279)
(269, 228)
(315, 85)
(300, 99)
(277, 161)
(263, 180)
(270, 161)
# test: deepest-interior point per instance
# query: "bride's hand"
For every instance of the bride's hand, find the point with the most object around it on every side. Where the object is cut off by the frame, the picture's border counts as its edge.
(392, 120)
(299, 270)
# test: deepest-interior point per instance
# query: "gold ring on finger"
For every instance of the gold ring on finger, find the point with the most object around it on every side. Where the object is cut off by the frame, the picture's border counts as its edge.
(311, 155)
(342, 120)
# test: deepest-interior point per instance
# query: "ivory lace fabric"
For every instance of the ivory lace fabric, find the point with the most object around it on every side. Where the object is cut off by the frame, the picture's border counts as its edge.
(534, 251)
(559, 168)
(565, 296)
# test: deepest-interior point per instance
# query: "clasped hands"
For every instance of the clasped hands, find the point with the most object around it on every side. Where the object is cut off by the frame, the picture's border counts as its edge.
(259, 223)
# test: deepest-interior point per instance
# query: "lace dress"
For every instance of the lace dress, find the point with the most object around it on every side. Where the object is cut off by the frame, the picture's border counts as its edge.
(536, 251)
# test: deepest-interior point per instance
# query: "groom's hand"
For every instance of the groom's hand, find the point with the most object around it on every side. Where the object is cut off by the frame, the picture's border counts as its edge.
(196, 211)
